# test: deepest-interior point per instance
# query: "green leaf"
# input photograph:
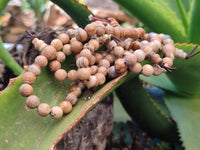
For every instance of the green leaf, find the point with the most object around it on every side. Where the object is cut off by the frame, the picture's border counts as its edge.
(186, 113)
(144, 111)
(186, 76)
(78, 12)
(194, 31)
(27, 130)
(3, 4)
(159, 18)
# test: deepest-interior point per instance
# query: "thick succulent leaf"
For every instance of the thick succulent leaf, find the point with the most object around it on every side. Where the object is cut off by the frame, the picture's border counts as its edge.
(78, 12)
(186, 113)
(3, 4)
(26, 130)
(159, 18)
(194, 31)
(144, 111)
(186, 76)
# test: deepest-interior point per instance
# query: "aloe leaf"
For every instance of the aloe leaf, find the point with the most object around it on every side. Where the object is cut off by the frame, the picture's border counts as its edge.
(78, 12)
(26, 130)
(186, 113)
(186, 76)
(194, 31)
(144, 111)
(159, 18)
(3, 4)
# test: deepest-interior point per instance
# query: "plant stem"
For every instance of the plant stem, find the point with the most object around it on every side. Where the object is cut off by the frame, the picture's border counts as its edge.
(8, 60)
(183, 15)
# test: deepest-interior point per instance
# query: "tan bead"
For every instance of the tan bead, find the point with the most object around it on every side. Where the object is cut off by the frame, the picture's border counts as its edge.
(112, 73)
(89, 46)
(147, 70)
(111, 45)
(93, 69)
(111, 58)
(72, 98)
(66, 106)
(118, 51)
(73, 75)
(140, 55)
(54, 65)
(146, 49)
(103, 70)
(81, 35)
(95, 43)
(49, 52)
(92, 60)
(168, 41)
(92, 82)
(118, 32)
(67, 49)
(75, 90)
(60, 75)
(83, 73)
(76, 46)
(135, 69)
(158, 45)
(120, 66)
(136, 45)
(157, 70)
(100, 29)
(64, 37)
(109, 29)
(168, 48)
(105, 63)
(34, 69)
(170, 55)
(168, 61)
(86, 53)
(81, 85)
(60, 56)
(98, 57)
(57, 44)
(41, 61)
(101, 79)
(130, 59)
(32, 101)
(25, 90)
(144, 43)
(43, 109)
(56, 112)
(71, 33)
(29, 78)
(82, 62)
(90, 29)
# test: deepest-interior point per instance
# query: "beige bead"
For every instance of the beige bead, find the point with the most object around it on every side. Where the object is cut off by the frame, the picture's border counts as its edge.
(64, 37)
(71, 33)
(43, 109)
(147, 70)
(168, 48)
(66, 106)
(105, 63)
(90, 29)
(75, 90)
(92, 60)
(41, 61)
(29, 78)
(101, 79)
(73, 75)
(140, 55)
(89, 46)
(82, 62)
(168, 61)
(118, 51)
(86, 53)
(81, 35)
(32, 101)
(56, 112)
(98, 57)
(95, 43)
(54, 65)
(130, 59)
(111, 45)
(93, 69)
(72, 98)
(49, 52)
(103, 70)
(92, 82)
(81, 85)
(76, 46)
(157, 70)
(67, 49)
(111, 58)
(120, 66)
(136, 45)
(112, 73)
(100, 29)
(135, 69)
(83, 73)
(60, 75)
(25, 90)
(57, 44)
(109, 29)
(60, 57)
(34, 69)
(146, 49)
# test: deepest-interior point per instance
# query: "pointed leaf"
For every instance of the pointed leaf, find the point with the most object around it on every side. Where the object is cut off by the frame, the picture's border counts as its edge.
(78, 12)
(144, 111)
(159, 18)
(186, 113)
(26, 130)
